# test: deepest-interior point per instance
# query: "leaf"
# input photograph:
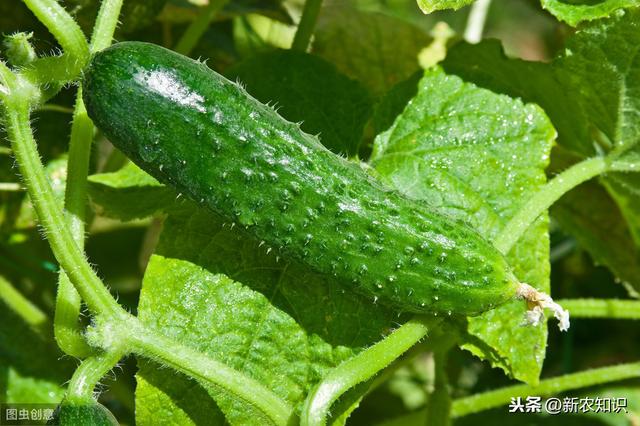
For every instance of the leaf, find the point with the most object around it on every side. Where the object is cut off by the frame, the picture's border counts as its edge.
(393, 102)
(160, 395)
(590, 91)
(486, 65)
(601, 64)
(625, 190)
(591, 94)
(429, 6)
(179, 11)
(31, 370)
(309, 89)
(373, 48)
(129, 193)
(589, 213)
(478, 157)
(604, 62)
(574, 12)
(212, 288)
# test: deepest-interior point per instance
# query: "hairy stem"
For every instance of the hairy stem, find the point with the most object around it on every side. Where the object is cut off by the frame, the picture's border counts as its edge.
(89, 373)
(22, 306)
(210, 372)
(476, 21)
(67, 328)
(602, 308)
(554, 386)
(105, 25)
(307, 25)
(7, 79)
(360, 368)
(64, 68)
(194, 32)
(545, 197)
(50, 215)
(63, 27)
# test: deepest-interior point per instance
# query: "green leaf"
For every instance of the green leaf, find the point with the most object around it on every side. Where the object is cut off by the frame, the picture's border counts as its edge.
(212, 288)
(486, 65)
(478, 156)
(129, 193)
(309, 89)
(393, 102)
(625, 190)
(574, 12)
(376, 49)
(602, 68)
(590, 91)
(589, 213)
(592, 95)
(429, 6)
(161, 396)
(31, 370)
(183, 11)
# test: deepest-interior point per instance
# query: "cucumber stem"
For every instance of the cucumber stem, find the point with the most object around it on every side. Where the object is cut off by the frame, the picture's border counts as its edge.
(537, 302)
(476, 21)
(545, 197)
(196, 30)
(89, 373)
(67, 327)
(307, 25)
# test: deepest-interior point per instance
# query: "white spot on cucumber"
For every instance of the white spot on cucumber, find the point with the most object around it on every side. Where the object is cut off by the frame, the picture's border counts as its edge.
(169, 86)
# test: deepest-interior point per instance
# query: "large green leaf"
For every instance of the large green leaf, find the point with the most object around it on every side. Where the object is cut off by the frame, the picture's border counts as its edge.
(486, 65)
(478, 156)
(575, 11)
(212, 288)
(602, 68)
(376, 49)
(590, 91)
(592, 95)
(309, 89)
(603, 60)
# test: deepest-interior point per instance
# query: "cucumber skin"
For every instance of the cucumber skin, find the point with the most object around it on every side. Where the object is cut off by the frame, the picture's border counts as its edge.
(193, 129)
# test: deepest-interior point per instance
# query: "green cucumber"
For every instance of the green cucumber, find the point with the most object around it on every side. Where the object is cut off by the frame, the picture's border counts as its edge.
(193, 129)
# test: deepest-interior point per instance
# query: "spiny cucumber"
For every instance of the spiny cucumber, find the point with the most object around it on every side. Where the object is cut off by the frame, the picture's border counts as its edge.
(193, 129)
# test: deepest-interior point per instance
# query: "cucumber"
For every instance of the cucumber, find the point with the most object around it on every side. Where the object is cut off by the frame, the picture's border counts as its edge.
(193, 129)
